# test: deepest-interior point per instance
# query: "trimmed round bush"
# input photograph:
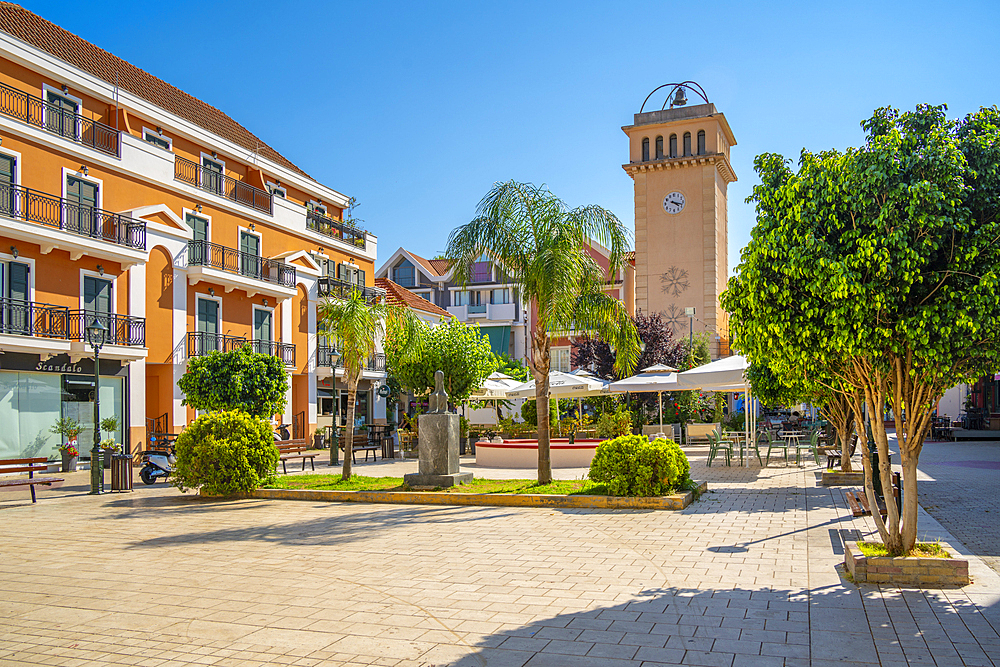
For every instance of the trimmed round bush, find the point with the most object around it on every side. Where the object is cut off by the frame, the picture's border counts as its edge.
(631, 465)
(224, 453)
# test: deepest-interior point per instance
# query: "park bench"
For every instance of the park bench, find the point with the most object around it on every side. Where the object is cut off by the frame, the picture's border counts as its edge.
(700, 432)
(29, 466)
(294, 449)
(858, 500)
(834, 454)
(360, 443)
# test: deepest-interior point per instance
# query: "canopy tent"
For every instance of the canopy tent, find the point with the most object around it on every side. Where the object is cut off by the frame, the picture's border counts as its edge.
(658, 378)
(726, 374)
(563, 385)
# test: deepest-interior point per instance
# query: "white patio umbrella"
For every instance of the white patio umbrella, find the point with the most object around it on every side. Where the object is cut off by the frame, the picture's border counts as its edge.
(726, 374)
(562, 385)
(658, 378)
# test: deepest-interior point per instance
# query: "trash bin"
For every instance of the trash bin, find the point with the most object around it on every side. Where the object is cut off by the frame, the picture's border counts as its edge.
(121, 472)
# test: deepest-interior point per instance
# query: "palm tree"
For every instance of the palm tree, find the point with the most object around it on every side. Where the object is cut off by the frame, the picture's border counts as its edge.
(351, 325)
(540, 244)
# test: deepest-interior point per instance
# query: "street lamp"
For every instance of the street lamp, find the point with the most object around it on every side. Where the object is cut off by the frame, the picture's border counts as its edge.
(335, 445)
(97, 335)
(690, 313)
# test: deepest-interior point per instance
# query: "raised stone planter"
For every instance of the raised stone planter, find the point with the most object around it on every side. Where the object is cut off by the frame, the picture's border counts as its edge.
(838, 478)
(921, 571)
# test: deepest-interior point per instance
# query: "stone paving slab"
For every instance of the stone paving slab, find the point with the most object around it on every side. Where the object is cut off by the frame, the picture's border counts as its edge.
(747, 576)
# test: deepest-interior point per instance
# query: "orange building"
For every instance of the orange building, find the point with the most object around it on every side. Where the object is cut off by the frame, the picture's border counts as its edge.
(125, 199)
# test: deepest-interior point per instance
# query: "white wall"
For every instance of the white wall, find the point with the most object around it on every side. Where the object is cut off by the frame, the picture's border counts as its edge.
(953, 401)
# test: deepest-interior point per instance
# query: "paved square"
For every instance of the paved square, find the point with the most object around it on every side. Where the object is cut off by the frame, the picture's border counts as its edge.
(745, 577)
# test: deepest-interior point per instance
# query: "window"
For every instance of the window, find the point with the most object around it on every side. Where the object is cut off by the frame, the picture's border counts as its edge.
(212, 174)
(427, 295)
(61, 114)
(659, 148)
(208, 325)
(673, 145)
(97, 296)
(499, 296)
(404, 274)
(157, 139)
(15, 316)
(316, 207)
(701, 142)
(262, 328)
(687, 143)
(81, 202)
(277, 190)
(250, 261)
(482, 272)
(560, 359)
(8, 169)
(645, 149)
(351, 274)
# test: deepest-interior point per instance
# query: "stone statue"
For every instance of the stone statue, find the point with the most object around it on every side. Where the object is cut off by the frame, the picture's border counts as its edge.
(438, 402)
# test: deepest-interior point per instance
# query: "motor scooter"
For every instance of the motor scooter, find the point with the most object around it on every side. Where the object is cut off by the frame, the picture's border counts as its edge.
(157, 462)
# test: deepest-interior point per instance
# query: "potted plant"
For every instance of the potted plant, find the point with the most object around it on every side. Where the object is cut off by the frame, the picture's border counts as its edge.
(109, 446)
(69, 429)
(70, 455)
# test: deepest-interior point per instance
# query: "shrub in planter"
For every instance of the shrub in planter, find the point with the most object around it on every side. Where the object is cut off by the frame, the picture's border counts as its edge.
(631, 465)
(225, 453)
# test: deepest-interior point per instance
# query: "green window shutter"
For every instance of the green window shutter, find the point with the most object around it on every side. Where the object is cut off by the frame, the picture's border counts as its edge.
(208, 316)
(96, 295)
(17, 281)
(198, 225)
(262, 325)
(6, 170)
(360, 275)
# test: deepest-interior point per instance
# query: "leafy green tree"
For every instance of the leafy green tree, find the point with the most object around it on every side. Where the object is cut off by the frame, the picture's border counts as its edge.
(352, 325)
(457, 349)
(225, 452)
(540, 244)
(236, 380)
(879, 267)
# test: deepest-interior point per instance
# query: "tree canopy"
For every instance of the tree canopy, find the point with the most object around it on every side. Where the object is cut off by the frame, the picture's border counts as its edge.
(592, 351)
(236, 380)
(878, 267)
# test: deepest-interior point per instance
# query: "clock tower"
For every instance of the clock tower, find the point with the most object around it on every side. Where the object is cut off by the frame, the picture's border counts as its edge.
(679, 163)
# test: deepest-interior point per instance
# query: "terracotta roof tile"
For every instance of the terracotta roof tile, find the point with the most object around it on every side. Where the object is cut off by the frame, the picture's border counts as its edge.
(400, 296)
(64, 45)
(440, 265)
(424, 263)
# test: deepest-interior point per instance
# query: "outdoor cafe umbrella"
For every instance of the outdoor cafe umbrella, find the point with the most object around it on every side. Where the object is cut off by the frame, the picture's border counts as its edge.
(658, 378)
(726, 374)
(564, 385)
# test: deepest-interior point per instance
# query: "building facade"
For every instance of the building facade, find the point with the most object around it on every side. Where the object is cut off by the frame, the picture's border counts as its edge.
(679, 163)
(127, 200)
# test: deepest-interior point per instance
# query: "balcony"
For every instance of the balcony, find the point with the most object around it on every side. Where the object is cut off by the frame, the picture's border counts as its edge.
(224, 186)
(330, 286)
(239, 270)
(24, 205)
(324, 359)
(336, 229)
(284, 351)
(123, 330)
(494, 312)
(35, 111)
(45, 329)
(200, 343)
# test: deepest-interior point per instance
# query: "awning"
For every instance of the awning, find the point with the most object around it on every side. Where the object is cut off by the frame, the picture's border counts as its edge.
(499, 338)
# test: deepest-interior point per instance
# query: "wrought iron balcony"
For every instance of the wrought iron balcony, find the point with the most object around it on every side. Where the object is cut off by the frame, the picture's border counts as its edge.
(225, 186)
(330, 286)
(22, 203)
(284, 351)
(27, 318)
(230, 260)
(324, 358)
(200, 343)
(123, 330)
(335, 229)
(35, 111)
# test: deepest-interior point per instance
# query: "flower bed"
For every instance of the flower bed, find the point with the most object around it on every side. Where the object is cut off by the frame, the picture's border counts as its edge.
(931, 571)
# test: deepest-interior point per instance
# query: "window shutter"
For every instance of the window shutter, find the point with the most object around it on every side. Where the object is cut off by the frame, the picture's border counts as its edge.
(17, 285)
(360, 276)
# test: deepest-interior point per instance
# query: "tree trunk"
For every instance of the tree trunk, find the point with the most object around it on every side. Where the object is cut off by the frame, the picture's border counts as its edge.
(857, 402)
(838, 409)
(352, 393)
(875, 401)
(541, 360)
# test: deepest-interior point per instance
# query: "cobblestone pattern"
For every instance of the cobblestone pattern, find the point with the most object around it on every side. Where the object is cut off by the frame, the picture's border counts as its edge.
(746, 577)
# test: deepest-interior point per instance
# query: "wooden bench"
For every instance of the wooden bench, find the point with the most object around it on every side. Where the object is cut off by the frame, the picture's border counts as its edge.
(29, 466)
(834, 454)
(294, 449)
(699, 432)
(858, 500)
(360, 443)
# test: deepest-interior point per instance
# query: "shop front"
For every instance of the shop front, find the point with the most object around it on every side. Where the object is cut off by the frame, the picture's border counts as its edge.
(332, 403)
(36, 392)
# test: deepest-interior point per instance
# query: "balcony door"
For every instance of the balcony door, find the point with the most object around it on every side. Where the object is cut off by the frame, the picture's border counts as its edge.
(263, 332)
(212, 175)
(61, 115)
(16, 308)
(7, 166)
(198, 251)
(250, 261)
(208, 325)
(81, 206)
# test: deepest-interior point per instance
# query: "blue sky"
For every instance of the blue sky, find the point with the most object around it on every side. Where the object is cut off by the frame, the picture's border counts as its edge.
(417, 109)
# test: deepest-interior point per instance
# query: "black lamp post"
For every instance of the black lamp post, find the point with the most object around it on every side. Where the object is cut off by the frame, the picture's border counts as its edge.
(97, 334)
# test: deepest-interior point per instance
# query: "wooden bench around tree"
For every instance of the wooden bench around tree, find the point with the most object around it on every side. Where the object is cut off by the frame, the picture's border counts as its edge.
(291, 450)
(360, 443)
(30, 466)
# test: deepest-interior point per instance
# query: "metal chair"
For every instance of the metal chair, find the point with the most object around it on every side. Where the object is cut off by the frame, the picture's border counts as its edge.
(715, 445)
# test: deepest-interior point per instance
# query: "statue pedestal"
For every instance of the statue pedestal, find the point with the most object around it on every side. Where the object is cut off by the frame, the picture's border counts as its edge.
(438, 452)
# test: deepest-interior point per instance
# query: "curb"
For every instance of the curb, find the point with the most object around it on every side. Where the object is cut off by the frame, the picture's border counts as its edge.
(677, 501)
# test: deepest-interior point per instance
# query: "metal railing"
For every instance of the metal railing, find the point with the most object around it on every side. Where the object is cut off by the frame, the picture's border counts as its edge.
(330, 286)
(200, 343)
(23, 203)
(35, 111)
(27, 318)
(284, 351)
(225, 186)
(324, 357)
(215, 256)
(122, 329)
(335, 229)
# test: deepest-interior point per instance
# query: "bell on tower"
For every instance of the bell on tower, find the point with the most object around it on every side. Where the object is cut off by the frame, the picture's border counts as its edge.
(681, 228)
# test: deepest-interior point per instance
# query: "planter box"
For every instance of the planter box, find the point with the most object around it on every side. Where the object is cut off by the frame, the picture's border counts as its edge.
(838, 478)
(919, 571)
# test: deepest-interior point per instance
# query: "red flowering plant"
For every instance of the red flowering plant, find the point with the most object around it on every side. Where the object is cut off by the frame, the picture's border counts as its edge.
(69, 449)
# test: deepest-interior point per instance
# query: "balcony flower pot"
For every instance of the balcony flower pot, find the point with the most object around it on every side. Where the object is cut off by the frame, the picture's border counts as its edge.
(69, 462)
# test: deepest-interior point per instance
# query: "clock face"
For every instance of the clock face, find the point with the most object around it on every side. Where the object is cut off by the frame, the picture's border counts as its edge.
(673, 203)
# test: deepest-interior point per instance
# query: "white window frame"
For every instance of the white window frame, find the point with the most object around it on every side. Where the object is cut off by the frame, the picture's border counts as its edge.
(271, 187)
(253, 321)
(201, 170)
(46, 88)
(6, 257)
(162, 137)
(17, 163)
(569, 359)
(208, 297)
(204, 216)
(316, 206)
(99, 182)
(254, 232)
(114, 288)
